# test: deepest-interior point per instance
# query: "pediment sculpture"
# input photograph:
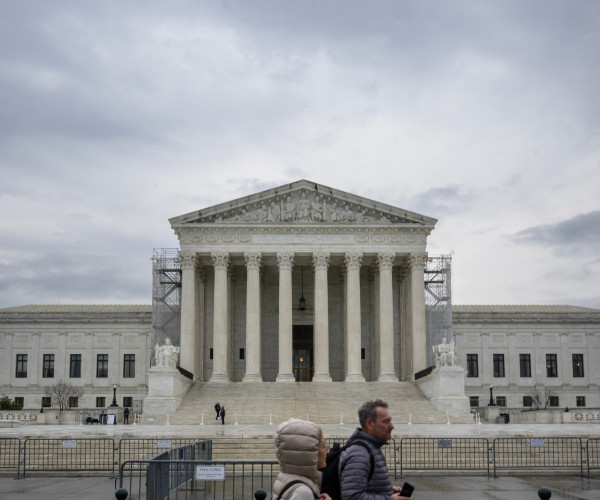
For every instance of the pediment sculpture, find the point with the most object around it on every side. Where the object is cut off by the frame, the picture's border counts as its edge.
(303, 207)
(445, 354)
(166, 356)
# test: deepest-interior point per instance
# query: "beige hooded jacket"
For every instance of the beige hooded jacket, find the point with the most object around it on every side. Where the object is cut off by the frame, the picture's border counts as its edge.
(297, 449)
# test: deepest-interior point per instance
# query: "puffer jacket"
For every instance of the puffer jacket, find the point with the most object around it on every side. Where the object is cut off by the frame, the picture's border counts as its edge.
(297, 449)
(355, 465)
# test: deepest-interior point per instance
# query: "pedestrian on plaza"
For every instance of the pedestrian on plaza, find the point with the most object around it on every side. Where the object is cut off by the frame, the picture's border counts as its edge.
(301, 451)
(218, 410)
(223, 415)
(126, 416)
(357, 479)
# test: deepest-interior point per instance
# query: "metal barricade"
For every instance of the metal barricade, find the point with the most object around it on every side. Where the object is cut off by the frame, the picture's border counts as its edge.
(73, 455)
(146, 448)
(551, 453)
(198, 479)
(592, 452)
(467, 454)
(10, 454)
(388, 450)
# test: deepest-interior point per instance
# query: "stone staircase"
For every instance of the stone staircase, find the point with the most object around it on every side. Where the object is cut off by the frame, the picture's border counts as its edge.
(323, 403)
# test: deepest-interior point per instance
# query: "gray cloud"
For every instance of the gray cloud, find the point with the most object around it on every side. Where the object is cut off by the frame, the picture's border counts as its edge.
(581, 232)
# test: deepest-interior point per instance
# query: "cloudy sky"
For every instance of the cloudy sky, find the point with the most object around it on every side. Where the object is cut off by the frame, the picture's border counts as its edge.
(115, 116)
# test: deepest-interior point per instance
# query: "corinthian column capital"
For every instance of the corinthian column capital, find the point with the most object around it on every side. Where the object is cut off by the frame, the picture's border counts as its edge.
(321, 260)
(187, 260)
(253, 260)
(220, 260)
(285, 260)
(385, 260)
(353, 260)
(417, 260)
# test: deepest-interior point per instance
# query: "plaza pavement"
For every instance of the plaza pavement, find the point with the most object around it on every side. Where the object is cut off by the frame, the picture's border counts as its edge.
(232, 430)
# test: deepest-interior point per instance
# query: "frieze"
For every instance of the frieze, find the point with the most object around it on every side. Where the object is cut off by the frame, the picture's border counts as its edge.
(226, 236)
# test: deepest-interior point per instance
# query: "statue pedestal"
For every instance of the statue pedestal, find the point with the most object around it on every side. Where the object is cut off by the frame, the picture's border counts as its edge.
(166, 388)
(445, 389)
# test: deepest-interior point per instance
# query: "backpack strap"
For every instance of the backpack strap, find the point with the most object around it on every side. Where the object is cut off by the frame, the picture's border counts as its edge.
(292, 483)
(372, 458)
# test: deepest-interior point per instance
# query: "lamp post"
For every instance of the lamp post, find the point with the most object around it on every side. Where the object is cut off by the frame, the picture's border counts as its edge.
(114, 401)
(491, 397)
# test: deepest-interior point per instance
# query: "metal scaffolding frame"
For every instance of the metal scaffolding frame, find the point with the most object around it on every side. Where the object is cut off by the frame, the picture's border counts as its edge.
(438, 302)
(166, 296)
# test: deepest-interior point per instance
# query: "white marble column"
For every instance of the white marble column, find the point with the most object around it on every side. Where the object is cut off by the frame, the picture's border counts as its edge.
(385, 262)
(353, 318)
(405, 339)
(188, 312)
(199, 335)
(253, 262)
(321, 331)
(417, 264)
(220, 319)
(286, 262)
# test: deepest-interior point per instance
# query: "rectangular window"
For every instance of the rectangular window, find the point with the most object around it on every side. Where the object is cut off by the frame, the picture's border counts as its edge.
(525, 365)
(577, 365)
(500, 400)
(553, 400)
(129, 366)
(551, 365)
(21, 401)
(46, 402)
(75, 366)
(21, 366)
(527, 401)
(48, 369)
(362, 353)
(580, 400)
(100, 402)
(127, 402)
(472, 365)
(498, 365)
(474, 401)
(242, 353)
(73, 402)
(102, 366)
(210, 353)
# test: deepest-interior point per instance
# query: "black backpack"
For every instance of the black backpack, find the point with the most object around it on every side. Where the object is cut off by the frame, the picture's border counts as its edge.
(330, 483)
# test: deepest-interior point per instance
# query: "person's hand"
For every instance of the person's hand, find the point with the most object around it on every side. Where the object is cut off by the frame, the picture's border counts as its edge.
(324, 496)
(396, 496)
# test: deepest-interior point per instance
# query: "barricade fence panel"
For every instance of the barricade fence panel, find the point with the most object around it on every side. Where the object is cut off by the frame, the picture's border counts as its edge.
(388, 450)
(468, 454)
(198, 479)
(553, 453)
(10, 454)
(146, 448)
(87, 454)
(593, 454)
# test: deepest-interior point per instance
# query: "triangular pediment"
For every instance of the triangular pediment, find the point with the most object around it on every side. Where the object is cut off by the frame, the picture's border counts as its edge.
(303, 202)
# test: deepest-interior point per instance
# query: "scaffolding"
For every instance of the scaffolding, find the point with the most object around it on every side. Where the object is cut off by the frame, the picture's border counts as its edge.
(438, 302)
(166, 296)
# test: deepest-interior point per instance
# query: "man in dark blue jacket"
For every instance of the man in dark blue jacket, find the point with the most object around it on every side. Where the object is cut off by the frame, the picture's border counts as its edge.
(357, 480)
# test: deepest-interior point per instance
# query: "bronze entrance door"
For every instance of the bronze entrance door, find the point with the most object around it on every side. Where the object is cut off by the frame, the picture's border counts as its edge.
(303, 353)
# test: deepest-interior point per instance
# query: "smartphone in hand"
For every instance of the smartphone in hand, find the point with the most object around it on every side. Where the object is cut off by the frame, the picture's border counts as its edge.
(407, 490)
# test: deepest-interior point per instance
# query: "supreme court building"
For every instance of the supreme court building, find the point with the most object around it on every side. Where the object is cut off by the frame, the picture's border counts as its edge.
(302, 283)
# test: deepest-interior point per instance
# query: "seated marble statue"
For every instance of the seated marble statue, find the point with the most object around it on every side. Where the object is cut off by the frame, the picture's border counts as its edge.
(445, 354)
(166, 356)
